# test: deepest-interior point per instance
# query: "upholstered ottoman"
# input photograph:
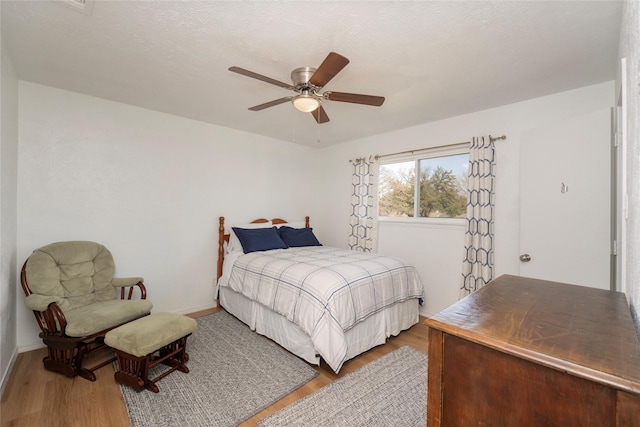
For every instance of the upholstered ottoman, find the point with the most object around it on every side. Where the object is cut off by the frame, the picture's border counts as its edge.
(144, 343)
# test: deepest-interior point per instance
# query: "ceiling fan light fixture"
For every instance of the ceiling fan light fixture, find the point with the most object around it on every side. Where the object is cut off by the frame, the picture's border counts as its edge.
(307, 82)
(306, 103)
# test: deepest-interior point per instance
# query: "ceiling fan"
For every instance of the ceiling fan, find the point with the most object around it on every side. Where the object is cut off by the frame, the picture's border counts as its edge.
(308, 82)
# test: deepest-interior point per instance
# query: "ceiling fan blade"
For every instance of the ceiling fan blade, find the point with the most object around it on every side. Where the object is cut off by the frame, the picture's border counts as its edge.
(354, 98)
(270, 103)
(260, 77)
(331, 66)
(320, 115)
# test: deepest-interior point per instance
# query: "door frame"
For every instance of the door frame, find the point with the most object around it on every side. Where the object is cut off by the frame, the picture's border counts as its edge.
(619, 197)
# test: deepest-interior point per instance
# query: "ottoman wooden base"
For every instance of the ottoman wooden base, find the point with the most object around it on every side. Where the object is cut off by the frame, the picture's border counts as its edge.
(133, 371)
(144, 343)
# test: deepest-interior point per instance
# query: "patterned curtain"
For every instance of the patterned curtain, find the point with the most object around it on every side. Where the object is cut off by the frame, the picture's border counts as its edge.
(477, 267)
(363, 230)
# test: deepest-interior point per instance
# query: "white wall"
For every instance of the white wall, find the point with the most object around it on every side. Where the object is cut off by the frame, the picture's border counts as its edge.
(438, 253)
(147, 185)
(8, 212)
(630, 49)
(150, 186)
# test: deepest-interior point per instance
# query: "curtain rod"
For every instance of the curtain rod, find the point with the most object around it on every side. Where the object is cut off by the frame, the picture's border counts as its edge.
(376, 157)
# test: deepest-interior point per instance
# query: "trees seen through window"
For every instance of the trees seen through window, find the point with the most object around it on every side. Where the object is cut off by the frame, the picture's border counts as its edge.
(441, 182)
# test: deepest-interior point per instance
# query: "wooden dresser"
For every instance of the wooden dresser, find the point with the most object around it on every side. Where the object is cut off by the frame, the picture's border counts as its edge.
(525, 352)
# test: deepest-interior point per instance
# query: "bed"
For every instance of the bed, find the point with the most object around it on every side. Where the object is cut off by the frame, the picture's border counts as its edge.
(318, 302)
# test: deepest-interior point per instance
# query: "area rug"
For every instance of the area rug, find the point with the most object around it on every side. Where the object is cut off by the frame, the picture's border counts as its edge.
(390, 391)
(234, 374)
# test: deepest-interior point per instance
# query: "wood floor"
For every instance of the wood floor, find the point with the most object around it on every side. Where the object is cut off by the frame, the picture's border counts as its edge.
(35, 397)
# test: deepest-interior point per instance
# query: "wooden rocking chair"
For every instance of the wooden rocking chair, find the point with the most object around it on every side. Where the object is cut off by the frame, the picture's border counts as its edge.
(71, 289)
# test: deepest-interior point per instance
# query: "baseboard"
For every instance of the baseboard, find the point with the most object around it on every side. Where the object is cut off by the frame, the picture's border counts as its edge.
(33, 346)
(426, 313)
(196, 309)
(7, 373)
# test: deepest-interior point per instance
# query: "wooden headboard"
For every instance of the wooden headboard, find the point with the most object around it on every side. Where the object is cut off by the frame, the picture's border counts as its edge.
(224, 237)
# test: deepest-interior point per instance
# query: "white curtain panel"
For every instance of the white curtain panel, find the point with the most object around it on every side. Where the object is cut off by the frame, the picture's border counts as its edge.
(363, 224)
(477, 267)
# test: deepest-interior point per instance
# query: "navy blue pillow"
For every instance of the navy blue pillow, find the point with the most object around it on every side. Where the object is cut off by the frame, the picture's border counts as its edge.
(296, 237)
(259, 239)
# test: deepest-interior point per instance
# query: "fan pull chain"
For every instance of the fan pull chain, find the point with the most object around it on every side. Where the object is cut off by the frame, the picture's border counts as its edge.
(293, 124)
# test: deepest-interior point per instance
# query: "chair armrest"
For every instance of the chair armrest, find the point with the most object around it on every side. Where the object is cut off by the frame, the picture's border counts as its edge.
(131, 283)
(120, 282)
(50, 317)
(41, 302)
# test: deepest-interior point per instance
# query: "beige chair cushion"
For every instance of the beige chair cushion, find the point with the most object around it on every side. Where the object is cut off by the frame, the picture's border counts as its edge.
(73, 274)
(148, 334)
(99, 316)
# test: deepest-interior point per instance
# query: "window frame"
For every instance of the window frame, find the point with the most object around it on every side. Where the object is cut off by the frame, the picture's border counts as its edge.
(416, 156)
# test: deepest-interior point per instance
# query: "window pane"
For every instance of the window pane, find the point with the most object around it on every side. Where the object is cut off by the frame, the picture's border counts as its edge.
(443, 186)
(396, 189)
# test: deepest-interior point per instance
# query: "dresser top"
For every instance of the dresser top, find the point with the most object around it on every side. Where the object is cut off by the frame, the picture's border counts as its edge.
(585, 331)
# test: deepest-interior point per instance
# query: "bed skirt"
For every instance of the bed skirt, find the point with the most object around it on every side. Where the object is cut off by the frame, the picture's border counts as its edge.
(363, 336)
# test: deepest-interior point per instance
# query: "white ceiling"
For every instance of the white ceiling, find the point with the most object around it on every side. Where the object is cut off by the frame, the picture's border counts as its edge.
(430, 59)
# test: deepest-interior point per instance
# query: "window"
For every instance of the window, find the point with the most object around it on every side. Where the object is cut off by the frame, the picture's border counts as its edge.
(431, 184)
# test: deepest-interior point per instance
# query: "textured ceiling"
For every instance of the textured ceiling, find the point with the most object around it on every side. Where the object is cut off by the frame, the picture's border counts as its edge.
(430, 59)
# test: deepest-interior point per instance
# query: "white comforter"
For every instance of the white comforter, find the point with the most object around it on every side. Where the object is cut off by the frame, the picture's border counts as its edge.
(323, 290)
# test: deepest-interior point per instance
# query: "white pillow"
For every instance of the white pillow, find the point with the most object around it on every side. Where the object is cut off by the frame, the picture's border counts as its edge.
(298, 224)
(234, 242)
